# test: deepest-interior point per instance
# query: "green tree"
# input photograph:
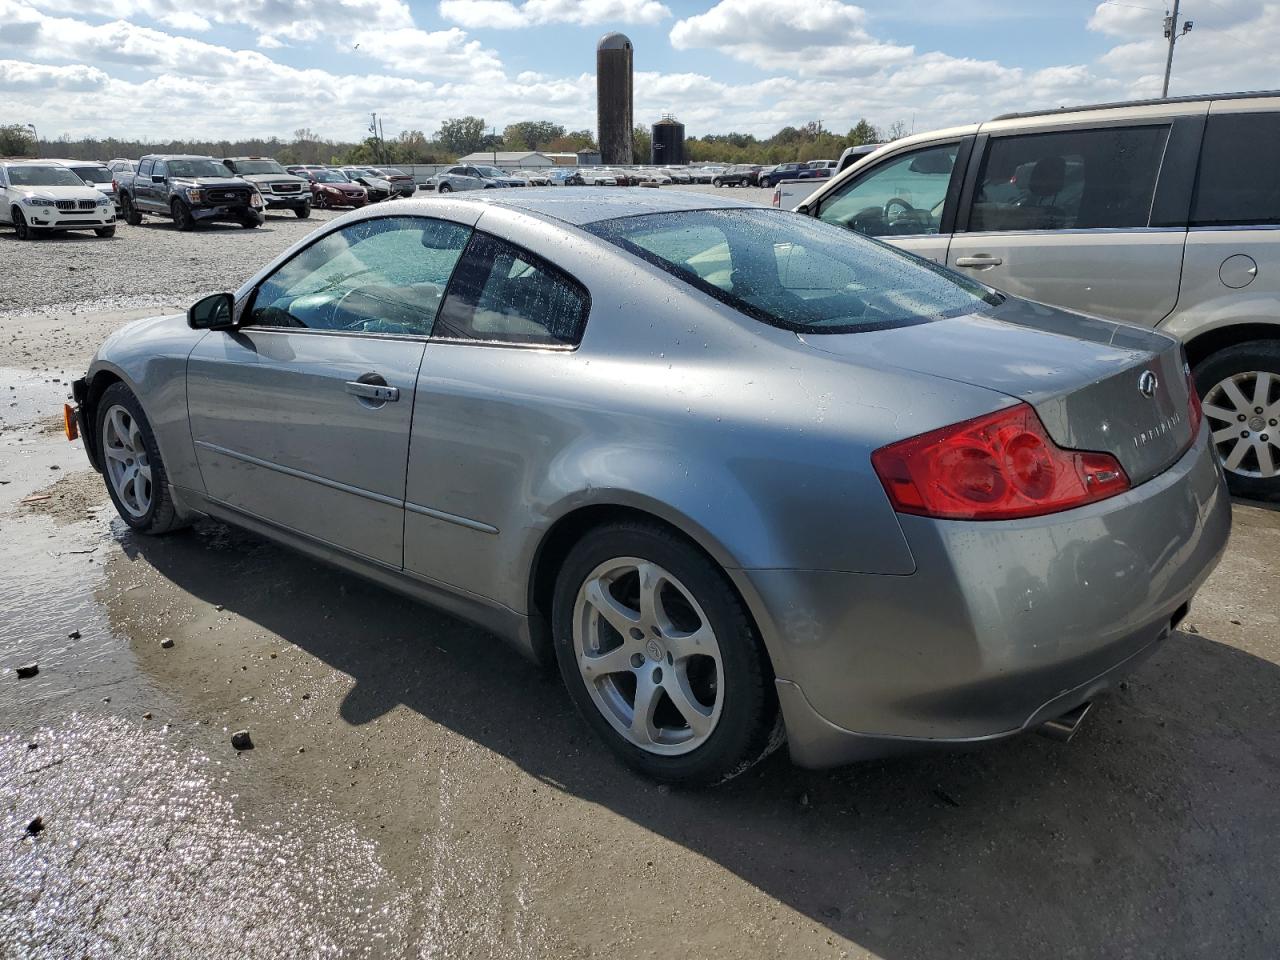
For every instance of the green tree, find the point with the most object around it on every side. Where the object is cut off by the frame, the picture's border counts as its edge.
(531, 134)
(641, 143)
(16, 141)
(861, 133)
(462, 135)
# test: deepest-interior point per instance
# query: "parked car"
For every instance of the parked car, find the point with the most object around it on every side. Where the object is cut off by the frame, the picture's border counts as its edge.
(471, 177)
(1158, 213)
(564, 177)
(678, 174)
(280, 189)
(597, 177)
(402, 184)
(189, 190)
(331, 188)
(739, 175)
(94, 174)
(817, 170)
(42, 196)
(120, 165)
(1005, 506)
(783, 171)
(534, 178)
(852, 155)
(377, 186)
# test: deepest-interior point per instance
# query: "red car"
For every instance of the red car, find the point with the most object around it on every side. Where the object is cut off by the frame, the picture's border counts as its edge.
(330, 188)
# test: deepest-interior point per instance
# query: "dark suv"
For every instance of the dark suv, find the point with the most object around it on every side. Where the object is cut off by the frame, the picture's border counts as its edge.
(783, 171)
(739, 175)
(188, 189)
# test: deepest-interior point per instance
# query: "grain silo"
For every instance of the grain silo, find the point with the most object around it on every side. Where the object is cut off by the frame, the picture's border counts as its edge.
(668, 142)
(613, 98)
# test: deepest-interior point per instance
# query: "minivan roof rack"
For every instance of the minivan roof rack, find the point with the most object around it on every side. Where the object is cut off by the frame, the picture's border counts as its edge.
(1156, 101)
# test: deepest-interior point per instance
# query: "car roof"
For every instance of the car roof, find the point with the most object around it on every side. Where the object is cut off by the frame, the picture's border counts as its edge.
(75, 163)
(1152, 102)
(605, 204)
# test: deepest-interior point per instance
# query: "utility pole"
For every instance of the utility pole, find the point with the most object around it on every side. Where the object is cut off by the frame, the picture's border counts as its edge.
(1171, 33)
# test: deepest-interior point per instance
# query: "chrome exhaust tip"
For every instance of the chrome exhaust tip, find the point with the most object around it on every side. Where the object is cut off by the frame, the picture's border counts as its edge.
(1063, 728)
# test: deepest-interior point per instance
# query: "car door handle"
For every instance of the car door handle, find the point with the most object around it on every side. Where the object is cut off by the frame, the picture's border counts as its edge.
(377, 392)
(980, 261)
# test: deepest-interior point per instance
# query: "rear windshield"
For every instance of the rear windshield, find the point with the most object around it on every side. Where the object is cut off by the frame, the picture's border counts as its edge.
(795, 272)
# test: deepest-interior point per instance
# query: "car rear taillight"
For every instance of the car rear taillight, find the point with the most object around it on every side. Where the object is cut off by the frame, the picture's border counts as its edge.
(1195, 412)
(999, 466)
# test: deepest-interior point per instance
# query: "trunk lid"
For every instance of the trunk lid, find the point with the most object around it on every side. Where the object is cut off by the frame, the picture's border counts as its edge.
(1087, 378)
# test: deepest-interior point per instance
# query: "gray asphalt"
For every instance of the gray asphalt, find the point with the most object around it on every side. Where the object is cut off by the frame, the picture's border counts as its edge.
(416, 789)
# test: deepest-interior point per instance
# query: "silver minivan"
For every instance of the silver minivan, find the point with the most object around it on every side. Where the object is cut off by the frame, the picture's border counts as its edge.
(1161, 213)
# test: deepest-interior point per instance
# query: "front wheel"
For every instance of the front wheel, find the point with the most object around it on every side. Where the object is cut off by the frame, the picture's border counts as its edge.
(182, 218)
(105, 232)
(303, 211)
(444, 188)
(131, 463)
(661, 657)
(251, 223)
(21, 227)
(1240, 387)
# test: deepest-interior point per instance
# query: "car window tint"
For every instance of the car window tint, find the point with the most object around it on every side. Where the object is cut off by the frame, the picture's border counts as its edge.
(900, 197)
(503, 294)
(796, 272)
(1079, 179)
(1239, 179)
(375, 276)
(161, 169)
(144, 170)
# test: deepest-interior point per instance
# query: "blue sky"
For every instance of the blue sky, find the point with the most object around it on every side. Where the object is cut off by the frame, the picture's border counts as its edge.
(168, 68)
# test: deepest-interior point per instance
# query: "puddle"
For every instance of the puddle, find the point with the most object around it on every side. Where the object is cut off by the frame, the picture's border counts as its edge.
(28, 397)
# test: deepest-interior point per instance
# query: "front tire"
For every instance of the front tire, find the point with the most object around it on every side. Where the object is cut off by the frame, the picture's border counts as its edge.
(303, 211)
(182, 218)
(21, 227)
(131, 463)
(661, 657)
(444, 188)
(1240, 387)
(105, 232)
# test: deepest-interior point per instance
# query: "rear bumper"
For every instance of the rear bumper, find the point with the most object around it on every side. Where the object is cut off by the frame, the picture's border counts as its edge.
(1001, 627)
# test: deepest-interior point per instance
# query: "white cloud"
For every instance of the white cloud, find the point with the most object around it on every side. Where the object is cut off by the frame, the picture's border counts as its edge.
(18, 77)
(442, 53)
(506, 14)
(267, 42)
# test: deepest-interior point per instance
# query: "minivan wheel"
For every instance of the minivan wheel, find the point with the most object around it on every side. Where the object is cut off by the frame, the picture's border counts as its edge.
(131, 464)
(1240, 387)
(660, 656)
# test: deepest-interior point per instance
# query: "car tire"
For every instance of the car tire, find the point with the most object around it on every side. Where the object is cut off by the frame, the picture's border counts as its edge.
(127, 448)
(444, 188)
(129, 212)
(736, 686)
(1236, 370)
(303, 211)
(251, 223)
(105, 232)
(717, 182)
(20, 226)
(182, 218)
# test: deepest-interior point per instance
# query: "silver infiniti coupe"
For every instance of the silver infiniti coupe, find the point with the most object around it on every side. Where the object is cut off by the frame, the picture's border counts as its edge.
(745, 476)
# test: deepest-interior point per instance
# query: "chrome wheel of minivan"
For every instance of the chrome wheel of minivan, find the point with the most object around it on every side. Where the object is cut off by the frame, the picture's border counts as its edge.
(125, 456)
(648, 656)
(1244, 414)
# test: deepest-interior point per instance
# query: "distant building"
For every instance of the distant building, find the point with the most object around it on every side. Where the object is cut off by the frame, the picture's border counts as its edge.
(563, 159)
(614, 98)
(588, 158)
(509, 159)
(668, 142)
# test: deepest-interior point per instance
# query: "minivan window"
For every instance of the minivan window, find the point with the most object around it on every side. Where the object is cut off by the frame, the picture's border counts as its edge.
(1077, 179)
(795, 272)
(1239, 179)
(903, 196)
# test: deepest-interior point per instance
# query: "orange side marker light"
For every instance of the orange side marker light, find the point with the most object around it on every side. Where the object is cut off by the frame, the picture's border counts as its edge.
(69, 425)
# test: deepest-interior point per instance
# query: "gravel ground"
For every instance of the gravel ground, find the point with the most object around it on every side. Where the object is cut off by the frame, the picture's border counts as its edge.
(416, 789)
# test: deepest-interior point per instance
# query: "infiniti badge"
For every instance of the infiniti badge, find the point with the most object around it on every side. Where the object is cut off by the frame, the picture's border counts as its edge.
(1147, 384)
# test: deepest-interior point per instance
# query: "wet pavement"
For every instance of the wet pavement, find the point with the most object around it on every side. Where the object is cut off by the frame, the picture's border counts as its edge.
(416, 789)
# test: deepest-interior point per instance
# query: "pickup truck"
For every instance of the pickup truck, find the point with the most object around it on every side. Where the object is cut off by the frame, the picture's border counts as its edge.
(189, 190)
(279, 189)
(783, 171)
(789, 194)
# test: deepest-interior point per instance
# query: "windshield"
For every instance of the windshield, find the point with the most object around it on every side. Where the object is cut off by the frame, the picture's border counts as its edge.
(359, 172)
(491, 172)
(198, 167)
(795, 272)
(33, 176)
(92, 174)
(329, 176)
(257, 166)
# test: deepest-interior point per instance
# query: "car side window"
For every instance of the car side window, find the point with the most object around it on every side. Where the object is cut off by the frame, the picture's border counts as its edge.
(161, 169)
(144, 169)
(385, 275)
(1077, 179)
(902, 196)
(503, 294)
(1239, 182)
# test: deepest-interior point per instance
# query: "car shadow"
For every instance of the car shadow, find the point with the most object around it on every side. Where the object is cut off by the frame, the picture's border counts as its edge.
(1154, 833)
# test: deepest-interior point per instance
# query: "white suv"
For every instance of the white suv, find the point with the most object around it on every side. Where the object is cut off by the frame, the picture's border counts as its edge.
(38, 196)
(1162, 213)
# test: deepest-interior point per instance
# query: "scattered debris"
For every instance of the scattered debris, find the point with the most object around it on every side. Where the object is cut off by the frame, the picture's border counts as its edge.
(147, 715)
(33, 745)
(27, 670)
(36, 498)
(831, 913)
(167, 642)
(36, 826)
(73, 635)
(240, 740)
(946, 798)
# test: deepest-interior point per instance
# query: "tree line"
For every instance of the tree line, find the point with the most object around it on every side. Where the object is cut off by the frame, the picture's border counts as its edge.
(456, 137)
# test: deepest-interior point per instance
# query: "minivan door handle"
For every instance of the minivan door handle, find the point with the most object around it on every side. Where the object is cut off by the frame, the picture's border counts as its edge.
(981, 261)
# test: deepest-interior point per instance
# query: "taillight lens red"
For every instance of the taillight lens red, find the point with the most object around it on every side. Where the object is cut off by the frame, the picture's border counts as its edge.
(1196, 414)
(999, 466)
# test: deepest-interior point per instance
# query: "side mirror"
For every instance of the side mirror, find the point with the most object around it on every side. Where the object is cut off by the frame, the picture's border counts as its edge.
(156, 178)
(214, 312)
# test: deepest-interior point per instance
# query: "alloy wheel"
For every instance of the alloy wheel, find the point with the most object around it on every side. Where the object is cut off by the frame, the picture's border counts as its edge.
(128, 467)
(648, 656)
(1244, 414)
